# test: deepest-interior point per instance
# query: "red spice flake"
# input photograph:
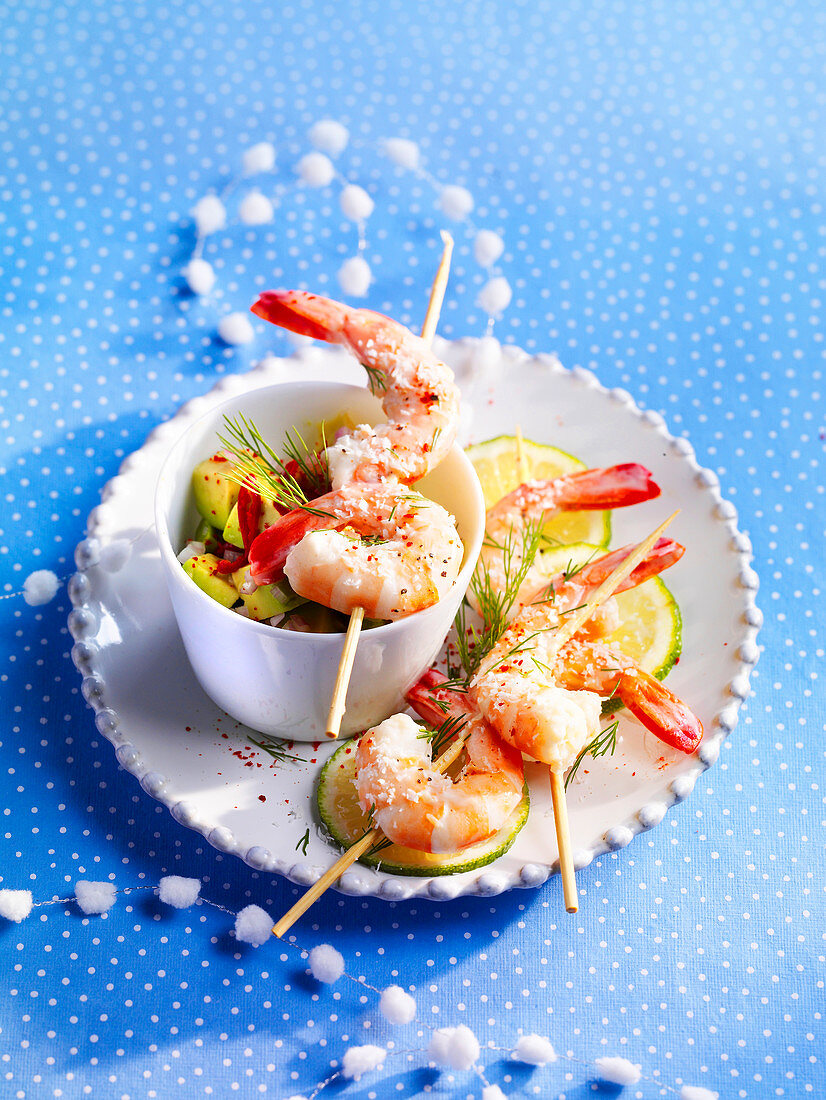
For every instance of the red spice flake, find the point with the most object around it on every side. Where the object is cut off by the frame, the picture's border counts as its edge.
(188, 729)
(262, 798)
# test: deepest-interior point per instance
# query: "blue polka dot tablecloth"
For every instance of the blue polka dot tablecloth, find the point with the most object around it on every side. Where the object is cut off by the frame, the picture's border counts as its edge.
(655, 172)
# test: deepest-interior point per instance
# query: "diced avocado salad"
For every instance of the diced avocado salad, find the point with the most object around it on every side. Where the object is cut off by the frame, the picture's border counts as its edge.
(239, 492)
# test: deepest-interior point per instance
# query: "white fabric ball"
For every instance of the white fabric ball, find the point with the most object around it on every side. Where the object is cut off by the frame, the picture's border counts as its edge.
(255, 209)
(15, 905)
(355, 203)
(456, 202)
(696, 1092)
(259, 158)
(493, 1092)
(40, 587)
(495, 296)
(210, 214)
(179, 892)
(397, 1006)
(329, 136)
(534, 1050)
(354, 277)
(200, 276)
(316, 170)
(236, 328)
(456, 1047)
(253, 925)
(326, 964)
(403, 152)
(487, 247)
(619, 1071)
(115, 554)
(95, 897)
(360, 1060)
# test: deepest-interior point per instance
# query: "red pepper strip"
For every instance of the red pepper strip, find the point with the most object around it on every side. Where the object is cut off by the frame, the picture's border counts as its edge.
(249, 516)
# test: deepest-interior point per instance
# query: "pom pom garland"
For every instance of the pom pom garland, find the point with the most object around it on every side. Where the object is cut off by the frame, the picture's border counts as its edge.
(200, 276)
(259, 158)
(355, 203)
(316, 170)
(696, 1092)
(354, 277)
(15, 905)
(396, 1006)
(235, 329)
(487, 247)
(456, 1047)
(618, 1071)
(115, 554)
(40, 587)
(534, 1050)
(403, 152)
(456, 202)
(493, 1092)
(329, 136)
(95, 897)
(255, 209)
(179, 892)
(360, 1060)
(495, 296)
(326, 964)
(210, 215)
(253, 925)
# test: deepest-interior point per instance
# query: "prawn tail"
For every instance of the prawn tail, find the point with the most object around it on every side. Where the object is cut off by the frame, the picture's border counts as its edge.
(664, 553)
(302, 313)
(269, 550)
(609, 487)
(436, 704)
(660, 710)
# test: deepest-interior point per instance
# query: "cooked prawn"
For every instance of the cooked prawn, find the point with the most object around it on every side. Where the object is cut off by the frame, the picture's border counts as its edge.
(546, 701)
(419, 396)
(385, 548)
(535, 502)
(415, 806)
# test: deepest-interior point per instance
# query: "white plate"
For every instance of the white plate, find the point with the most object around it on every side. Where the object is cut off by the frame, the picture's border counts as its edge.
(201, 764)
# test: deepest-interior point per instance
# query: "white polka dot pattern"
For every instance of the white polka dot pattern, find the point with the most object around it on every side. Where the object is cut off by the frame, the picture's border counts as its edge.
(656, 173)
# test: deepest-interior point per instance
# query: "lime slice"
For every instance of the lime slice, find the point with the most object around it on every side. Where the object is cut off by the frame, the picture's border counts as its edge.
(497, 466)
(346, 823)
(650, 630)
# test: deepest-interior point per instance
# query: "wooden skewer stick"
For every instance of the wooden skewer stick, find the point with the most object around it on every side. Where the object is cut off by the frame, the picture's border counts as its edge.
(443, 762)
(351, 639)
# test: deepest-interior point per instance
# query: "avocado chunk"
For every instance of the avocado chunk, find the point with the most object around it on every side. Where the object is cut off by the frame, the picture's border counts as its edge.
(232, 530)
(209, 536)
(215, 492)
(268, 599)
(201, 568)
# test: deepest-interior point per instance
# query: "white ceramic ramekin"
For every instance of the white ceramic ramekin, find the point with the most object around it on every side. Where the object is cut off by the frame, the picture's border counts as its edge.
(280, 682)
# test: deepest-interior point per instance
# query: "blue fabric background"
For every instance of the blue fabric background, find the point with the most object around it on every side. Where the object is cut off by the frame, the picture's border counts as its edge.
(657, 172)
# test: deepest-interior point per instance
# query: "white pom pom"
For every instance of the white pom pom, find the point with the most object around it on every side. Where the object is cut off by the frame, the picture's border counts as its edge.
(326, 964)
(210, 214)
(360, 1060)
(402, 152)
(486, 357)
(200, 276)
(40, 587)
(495, 296)
(619, 1071)
(15, 904)
(696, 1092)
(534, 1050)
(487, 247)
(397, 1006)
(316, 169)
(354, 277)
(329, 136)
(255, 209)
(296, 1097)
(259, 158)
(236, 328)
(456, 202)
(115, 554)
(355, 203)
(493, 1092)
(456, 1047)
(95, 897)
(179, 892)
(253, 925)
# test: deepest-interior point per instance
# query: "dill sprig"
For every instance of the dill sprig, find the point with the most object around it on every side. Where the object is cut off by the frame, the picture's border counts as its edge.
(277, 750)
(377, 380)
(442, 735)
(302, 844)
(257, 466)
(604, 744)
